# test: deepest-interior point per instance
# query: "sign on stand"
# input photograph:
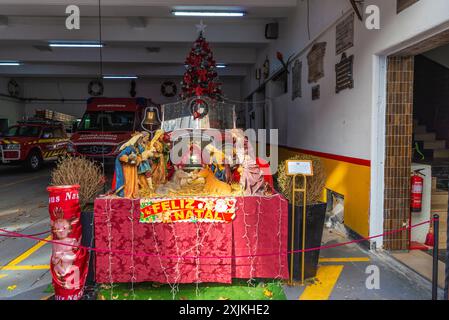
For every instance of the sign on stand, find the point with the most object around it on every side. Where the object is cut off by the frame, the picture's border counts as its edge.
(299, 167)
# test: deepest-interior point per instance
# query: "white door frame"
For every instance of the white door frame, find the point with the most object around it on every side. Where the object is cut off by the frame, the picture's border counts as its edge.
(377, 181)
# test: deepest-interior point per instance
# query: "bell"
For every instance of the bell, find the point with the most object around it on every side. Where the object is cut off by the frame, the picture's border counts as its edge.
(152, 121)
(151, 118)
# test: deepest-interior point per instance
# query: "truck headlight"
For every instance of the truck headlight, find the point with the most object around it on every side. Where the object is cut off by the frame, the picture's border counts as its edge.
(71, 148)
(12, 146)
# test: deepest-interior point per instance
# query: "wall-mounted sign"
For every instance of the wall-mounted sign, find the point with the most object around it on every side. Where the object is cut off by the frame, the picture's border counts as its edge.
(315, 60)
(295, 167)
(296, 80)
(344, 73)
(266, 68)
(258, 73)
(345, 34)
(316, 92)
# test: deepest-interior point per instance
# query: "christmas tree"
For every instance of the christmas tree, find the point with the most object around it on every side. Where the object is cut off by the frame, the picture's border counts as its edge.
(201, 78)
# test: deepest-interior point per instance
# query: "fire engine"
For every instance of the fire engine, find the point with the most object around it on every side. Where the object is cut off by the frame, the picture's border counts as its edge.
(31, 142)
(106, 125)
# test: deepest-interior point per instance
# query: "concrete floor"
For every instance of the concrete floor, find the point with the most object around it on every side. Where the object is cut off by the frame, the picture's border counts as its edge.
(342, 275)
(23, 208)
(24, 271)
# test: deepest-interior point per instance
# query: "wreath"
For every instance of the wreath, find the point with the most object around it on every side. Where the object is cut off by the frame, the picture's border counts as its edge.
(96, 88)
(199, 108)
(169, 89)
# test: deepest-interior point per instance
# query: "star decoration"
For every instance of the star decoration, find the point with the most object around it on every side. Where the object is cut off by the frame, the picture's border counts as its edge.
(201, 28)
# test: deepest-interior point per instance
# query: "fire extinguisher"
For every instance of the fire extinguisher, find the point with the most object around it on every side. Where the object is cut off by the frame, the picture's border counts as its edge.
(417, 191)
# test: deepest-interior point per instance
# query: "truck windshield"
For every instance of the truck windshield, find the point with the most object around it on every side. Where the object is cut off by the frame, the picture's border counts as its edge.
(107, 121)
(23, 131)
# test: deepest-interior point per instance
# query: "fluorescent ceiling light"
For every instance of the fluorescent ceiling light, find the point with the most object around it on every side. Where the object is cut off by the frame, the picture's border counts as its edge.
(10, 63)
(221, 65)
(208, 13)
(75, 45)
(119, 77)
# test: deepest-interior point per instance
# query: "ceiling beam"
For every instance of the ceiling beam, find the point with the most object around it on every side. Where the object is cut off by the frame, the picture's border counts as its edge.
(164, 3)
(118, 29)
(121, 54)
(92, 70)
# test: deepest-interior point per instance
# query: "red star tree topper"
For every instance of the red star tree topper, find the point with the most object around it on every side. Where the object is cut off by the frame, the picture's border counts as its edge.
(201, 76)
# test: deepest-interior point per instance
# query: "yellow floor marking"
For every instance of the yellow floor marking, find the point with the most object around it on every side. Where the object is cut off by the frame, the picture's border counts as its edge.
(21, 268)
(20, 181)
(26, 254)
(327, 277)
(3, 275)
(339, 260)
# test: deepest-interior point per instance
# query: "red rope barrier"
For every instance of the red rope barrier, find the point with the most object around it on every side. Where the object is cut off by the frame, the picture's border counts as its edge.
(118, 252)
(33, 234)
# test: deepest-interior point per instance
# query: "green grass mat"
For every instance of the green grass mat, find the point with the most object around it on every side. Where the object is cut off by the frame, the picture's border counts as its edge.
(238, 290)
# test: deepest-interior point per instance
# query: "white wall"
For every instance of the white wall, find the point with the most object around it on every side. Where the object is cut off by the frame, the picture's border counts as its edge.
(76, 88)
(10, 108)
(350, 123)
(339, 123)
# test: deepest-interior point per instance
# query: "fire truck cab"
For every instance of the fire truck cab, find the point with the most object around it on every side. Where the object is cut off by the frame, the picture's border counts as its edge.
(32, 142)
(106, 124)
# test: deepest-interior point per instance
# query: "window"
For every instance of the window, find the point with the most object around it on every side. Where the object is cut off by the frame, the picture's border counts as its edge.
(404, 4)
(107, 121)
(47, 133)
(23, 131)
(58, 133)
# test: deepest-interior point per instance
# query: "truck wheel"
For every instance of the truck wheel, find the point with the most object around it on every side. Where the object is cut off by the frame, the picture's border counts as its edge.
(34, 161)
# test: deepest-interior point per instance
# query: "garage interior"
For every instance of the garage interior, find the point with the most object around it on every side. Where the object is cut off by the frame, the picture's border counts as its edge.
(135, 48)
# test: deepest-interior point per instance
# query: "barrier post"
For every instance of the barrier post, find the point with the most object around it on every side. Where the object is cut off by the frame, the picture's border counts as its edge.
(446, 286)
(436, 225)
(296, 190)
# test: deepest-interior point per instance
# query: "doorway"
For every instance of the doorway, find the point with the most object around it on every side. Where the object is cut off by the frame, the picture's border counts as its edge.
(411, 144)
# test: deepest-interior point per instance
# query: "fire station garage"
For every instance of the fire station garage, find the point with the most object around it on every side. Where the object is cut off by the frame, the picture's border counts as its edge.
(351, 96)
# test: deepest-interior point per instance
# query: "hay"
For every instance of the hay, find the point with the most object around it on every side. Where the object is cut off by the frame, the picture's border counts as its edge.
(78, 170)
(192, 190)
(315, 184)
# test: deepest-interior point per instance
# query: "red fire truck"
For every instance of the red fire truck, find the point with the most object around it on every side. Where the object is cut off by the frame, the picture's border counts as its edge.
(106, 125)
(32, 142)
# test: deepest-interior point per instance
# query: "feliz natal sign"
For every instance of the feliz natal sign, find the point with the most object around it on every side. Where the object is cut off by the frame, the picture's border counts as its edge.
(170, 210)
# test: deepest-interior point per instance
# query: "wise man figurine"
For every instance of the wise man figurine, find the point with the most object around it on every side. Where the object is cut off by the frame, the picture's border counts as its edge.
(126, 164)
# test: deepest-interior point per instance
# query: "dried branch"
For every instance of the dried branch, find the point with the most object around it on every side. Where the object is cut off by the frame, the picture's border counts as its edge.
(77, 170)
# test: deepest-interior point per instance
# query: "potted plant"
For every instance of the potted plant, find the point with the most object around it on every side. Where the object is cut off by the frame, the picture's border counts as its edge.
(315, 214)
(89, 176)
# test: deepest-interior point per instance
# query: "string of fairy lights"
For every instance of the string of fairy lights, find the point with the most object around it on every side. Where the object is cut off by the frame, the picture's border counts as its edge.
(279, 234)
(197, 261)
(178, 261)
(173, 279)
(132, 267)
(109, 226)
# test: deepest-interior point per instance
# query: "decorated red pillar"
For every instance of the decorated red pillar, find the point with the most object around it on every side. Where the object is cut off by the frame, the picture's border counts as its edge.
(69, 263)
